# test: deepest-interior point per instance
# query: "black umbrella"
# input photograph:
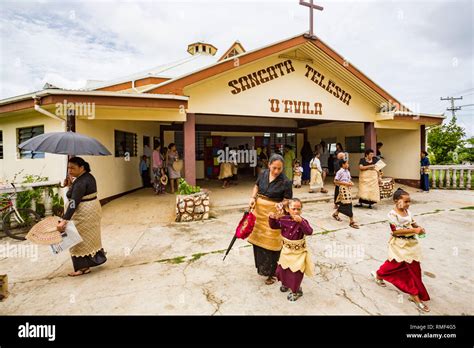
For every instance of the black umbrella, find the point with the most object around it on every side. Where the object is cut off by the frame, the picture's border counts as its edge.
(65, 143)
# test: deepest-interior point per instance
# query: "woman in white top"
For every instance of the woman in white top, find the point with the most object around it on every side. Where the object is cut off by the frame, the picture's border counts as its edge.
(402, 267)
(316, 183)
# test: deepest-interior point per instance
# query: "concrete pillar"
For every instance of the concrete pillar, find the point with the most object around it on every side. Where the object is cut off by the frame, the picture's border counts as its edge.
(189, 130)
(423, 137)
(370, 136)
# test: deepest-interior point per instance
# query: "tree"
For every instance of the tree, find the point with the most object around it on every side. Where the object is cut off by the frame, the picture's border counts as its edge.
(444, 141)
(466, 153)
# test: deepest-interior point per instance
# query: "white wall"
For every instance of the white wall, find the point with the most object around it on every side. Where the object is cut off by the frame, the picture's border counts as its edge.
(51, 166)
(115, 175)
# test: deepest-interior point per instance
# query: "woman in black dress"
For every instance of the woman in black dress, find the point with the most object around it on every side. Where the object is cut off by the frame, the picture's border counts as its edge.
(85, 211)
(270, 194)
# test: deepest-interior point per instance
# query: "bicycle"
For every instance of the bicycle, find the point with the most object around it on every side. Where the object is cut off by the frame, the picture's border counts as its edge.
(16, 222)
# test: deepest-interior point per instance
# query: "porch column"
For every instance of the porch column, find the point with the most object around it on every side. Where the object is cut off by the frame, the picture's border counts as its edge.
(423, 137)
(189, 130)
(369, 136)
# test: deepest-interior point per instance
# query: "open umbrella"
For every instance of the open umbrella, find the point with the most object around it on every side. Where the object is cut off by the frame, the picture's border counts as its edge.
(65, 143)
(243, 230)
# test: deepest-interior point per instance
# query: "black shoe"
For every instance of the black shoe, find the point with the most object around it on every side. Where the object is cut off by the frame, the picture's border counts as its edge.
(283, 288)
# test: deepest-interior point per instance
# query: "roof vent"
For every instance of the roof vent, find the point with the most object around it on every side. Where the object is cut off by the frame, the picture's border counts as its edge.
(201, 48)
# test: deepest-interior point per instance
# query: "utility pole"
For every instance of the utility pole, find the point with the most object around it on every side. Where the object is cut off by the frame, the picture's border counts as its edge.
(452, 108)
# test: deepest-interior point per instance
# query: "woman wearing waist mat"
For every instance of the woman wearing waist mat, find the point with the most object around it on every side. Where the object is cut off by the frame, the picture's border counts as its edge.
(270, 194)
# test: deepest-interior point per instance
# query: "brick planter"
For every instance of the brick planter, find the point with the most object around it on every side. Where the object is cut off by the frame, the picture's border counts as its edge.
(192, 207)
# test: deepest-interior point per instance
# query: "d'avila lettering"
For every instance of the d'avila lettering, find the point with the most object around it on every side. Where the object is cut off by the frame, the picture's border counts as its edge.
(261, 76)
(330, 86)
(296, 107)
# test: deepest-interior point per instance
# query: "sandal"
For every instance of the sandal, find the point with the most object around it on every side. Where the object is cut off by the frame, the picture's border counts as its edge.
(358, 205)
(336, 217)
(354, 225)
(283, 288)
(419, 305)
(378, 281)
(292, 296)
(323, 190)
(270, 280)
(80, 272)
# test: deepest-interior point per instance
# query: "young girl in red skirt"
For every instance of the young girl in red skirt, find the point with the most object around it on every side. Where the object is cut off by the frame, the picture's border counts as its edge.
(402, 267)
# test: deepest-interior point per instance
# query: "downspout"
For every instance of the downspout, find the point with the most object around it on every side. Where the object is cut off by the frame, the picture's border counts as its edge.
(43, 111)
(38, 108)
(133, 86)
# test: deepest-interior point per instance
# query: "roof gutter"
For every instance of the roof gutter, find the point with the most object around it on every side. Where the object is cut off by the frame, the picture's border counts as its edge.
(46, 92)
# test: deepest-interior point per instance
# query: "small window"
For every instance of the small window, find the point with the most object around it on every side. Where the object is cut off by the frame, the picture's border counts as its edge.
(1, 144)
(125, 144)
(355, 144)
(24, 134)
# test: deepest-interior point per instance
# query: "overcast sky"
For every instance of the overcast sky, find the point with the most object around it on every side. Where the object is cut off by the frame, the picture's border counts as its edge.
(418, 51)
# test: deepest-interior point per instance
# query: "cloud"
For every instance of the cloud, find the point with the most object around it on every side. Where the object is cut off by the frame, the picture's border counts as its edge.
(417, 50)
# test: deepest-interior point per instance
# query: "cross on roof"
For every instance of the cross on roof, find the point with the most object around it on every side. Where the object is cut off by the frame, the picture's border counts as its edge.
(312, 7)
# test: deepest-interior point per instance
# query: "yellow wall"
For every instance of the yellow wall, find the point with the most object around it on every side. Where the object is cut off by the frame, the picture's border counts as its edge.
(51, 166)
(401, 152)
(115, 175)
(214, 95)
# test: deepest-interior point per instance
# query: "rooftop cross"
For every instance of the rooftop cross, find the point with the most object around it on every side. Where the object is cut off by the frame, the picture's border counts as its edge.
(312, 7)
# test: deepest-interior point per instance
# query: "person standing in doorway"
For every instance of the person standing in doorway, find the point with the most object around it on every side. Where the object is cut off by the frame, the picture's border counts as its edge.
(158, 169)
(306, 156)
(144, 171)
(324, 158)
(378, 153)
(171, 157)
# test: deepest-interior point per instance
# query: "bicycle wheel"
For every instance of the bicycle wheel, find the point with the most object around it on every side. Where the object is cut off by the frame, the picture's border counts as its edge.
(16, 226)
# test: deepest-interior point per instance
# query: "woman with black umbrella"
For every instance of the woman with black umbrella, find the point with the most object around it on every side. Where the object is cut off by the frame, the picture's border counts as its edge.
(85, 211)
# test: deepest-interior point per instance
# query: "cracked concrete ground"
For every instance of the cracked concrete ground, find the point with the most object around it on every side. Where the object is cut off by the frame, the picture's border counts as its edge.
(156, 266)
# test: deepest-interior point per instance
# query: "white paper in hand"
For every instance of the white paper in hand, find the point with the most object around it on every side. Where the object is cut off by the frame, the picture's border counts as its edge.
(70, 236)
(379, 165)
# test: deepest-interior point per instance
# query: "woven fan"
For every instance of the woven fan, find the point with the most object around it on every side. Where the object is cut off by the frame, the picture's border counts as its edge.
(45, 232)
